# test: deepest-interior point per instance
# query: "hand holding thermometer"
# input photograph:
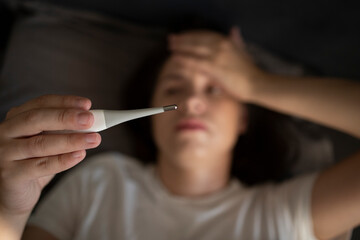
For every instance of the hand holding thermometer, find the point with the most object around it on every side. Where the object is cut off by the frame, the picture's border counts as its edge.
(104, 119)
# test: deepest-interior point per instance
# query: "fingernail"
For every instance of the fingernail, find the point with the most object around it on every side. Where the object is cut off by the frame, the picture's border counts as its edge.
(91, 138)
(77, 154)
(83, 103)
(84, 118)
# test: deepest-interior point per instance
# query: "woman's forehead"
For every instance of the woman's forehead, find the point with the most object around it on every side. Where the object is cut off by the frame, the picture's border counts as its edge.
(175, 70)
(173, 66)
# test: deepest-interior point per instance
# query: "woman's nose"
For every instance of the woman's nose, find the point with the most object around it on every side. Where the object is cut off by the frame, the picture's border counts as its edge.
(194, 104)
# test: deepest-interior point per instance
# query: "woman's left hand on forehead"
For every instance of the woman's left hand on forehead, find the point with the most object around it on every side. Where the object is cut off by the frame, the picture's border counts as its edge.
(223, 57)
(197, 43)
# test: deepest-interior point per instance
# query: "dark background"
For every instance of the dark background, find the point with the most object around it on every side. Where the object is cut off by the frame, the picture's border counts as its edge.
(322, 35)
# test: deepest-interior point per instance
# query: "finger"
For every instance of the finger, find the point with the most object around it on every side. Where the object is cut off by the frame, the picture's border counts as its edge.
(43, 181)
(51, 101)
(47, 145)
(194, 44)
(35, 121)
(35, 168)
(192, 49)
(236, 37)
(200, 64)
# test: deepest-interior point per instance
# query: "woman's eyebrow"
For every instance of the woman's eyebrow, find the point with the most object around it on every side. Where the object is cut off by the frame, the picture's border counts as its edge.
(175, 76)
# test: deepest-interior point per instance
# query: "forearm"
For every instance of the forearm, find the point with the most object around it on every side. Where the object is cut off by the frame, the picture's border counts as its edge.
(336, 198)
(12, 227)
(328, 101)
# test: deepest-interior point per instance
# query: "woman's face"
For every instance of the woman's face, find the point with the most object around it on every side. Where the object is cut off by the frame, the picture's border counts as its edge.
(208, 120)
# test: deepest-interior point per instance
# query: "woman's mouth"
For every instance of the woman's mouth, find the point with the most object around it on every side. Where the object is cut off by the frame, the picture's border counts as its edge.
(191, 125)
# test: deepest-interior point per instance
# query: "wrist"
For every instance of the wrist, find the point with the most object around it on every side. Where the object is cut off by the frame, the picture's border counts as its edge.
(12, 225)
(256, 82)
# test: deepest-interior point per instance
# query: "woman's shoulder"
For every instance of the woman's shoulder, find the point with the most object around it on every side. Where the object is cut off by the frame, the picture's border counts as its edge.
(292, 195)
(292, 184)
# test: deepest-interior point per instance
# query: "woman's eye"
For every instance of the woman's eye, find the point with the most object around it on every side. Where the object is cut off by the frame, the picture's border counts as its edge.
(214, 90)
(172, 91)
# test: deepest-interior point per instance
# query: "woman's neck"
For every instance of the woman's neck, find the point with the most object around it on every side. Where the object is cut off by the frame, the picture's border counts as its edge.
(202, 177)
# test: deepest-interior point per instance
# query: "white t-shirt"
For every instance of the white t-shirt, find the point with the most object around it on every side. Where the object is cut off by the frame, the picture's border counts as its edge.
(115, 197)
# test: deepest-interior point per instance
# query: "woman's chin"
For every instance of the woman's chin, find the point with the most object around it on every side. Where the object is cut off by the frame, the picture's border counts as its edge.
(191, 135)
(191, 145)
(191, 153)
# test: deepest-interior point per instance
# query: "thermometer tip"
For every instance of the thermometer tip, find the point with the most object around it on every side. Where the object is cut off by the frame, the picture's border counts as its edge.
(170, 107)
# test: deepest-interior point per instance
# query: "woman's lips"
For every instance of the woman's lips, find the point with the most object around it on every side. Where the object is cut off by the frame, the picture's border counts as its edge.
(191, 125)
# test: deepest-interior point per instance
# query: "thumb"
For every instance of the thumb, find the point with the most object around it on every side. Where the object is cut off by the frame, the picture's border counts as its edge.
(45, 180)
